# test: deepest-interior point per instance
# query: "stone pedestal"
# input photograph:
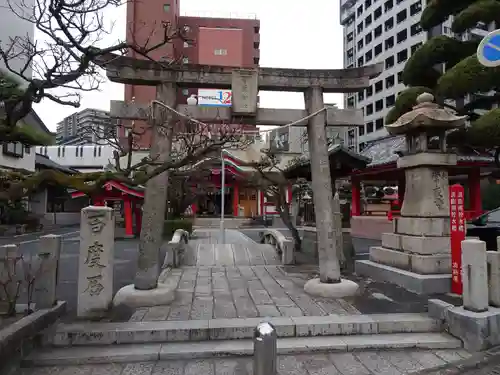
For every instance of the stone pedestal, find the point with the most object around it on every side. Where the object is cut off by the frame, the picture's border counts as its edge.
(95, 271)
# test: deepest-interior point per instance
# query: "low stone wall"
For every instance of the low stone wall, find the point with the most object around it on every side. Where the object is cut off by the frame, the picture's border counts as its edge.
(366, 231)
(309, 254)
(19, 338)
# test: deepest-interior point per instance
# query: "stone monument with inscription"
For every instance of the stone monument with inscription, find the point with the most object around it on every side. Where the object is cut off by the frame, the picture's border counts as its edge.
(95, 267)
(417, 255)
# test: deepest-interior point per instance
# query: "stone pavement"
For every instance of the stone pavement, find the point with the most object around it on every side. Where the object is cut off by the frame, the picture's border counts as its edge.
(356, 363)
(241, 279)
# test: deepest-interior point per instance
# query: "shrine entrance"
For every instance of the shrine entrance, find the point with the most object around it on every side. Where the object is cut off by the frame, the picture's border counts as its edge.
(129, 207)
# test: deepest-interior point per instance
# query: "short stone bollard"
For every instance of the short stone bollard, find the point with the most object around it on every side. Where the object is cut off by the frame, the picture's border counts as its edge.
(493, 258)
(474, 276)
(95, 271)
(49, 253)
(265, 350)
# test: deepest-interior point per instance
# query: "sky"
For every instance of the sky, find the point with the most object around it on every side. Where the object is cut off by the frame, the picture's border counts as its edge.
(293, 34)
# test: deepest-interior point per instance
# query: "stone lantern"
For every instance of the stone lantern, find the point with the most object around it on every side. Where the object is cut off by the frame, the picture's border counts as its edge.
(417, 254)
(426, 160)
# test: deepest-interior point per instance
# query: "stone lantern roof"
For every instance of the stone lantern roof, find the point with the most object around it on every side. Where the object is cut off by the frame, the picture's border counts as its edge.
(426, 115)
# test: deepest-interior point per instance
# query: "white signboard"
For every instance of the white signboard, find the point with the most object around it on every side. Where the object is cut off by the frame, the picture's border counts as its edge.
(214, 97)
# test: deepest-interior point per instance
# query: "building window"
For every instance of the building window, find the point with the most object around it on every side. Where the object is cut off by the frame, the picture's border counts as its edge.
(369, 91)
(390, 100)
(166, 7)
(27, 150)
(379, 86)
(220, 52)
(369, 127)
(185, 60)
(377, 13)
(368, 56)
(378, 31)
(369, 109)
(415, 29)
(368, 3)
(402, 36)
(360, 27)
(379, 123)
(389, 24)
(389, 43)
(388, 5)
(186, 45)
(350, 36)
(389, 62)
(361, 130)
(360, 44)
(361, 96)
(359, 10)
(368, 20)
(400, 77)
(379, 105)
(15, 149)
(378, 49)
(389, 81)
(360, 61)
(368, 38)
(415, 7)
(401, 16)
(350, 102)
(415, 47)
(185, 92)
(402, 56)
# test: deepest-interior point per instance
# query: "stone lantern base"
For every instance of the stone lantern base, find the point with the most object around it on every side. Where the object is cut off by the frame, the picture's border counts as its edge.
(417, 256)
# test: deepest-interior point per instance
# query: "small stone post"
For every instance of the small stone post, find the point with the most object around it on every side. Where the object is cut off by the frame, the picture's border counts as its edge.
(9, 255)
(329, 268)
(95, 271)
(474, 276)
(493, 258)
(49, 253)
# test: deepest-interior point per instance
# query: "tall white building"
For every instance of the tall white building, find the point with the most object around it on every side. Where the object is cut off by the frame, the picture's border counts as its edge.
(386, 31)
(378, 31)
(89, 126)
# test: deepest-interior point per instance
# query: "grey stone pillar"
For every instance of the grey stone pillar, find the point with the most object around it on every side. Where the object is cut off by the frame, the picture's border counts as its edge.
(45, 287)
(322, 187)
(155, 197)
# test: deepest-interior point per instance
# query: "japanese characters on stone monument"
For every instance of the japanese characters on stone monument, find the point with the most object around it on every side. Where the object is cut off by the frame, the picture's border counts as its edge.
(244, 87)
(95, 271)
(418, 253)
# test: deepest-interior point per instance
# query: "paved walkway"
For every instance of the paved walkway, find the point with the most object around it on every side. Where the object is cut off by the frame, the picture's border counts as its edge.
(357, 363)
(239, 279)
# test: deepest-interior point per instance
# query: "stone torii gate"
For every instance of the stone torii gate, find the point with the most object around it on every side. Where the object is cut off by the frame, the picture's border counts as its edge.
(245, 84)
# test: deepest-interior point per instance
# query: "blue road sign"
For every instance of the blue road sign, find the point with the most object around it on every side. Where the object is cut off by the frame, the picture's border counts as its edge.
(488, 51)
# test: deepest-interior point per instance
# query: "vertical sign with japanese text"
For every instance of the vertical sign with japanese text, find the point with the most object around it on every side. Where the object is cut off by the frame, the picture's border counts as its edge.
(457, 235)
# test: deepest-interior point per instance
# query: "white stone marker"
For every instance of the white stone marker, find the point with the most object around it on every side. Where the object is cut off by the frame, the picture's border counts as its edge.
(474, 276)
(95, 271)
(493, 278)
(49, 253)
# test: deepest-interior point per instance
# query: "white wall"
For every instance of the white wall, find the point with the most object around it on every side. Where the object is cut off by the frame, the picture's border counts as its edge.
(26, 162)
(85, 158)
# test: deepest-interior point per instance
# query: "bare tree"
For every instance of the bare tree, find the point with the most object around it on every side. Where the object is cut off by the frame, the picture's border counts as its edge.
(272, 180)
(66, 61)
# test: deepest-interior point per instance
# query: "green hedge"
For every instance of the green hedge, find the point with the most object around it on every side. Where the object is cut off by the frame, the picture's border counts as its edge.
(170, 226)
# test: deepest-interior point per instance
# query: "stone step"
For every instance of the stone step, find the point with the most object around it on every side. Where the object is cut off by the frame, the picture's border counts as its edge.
(227, 329)
(209, 349)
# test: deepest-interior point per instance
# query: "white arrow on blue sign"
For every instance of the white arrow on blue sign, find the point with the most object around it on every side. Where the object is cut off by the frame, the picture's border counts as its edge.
(488, 51)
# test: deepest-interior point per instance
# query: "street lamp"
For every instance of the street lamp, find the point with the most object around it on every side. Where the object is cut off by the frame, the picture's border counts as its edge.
(192, 100)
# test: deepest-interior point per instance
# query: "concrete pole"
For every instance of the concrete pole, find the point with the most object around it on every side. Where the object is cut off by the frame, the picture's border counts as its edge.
(265, 350)
(329, 268)
(155, 197)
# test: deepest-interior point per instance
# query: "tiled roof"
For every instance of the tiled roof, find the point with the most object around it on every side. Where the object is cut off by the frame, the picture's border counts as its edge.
(383, 151)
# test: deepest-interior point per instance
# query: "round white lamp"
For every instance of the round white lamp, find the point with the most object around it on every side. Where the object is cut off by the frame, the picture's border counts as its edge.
(192, 100)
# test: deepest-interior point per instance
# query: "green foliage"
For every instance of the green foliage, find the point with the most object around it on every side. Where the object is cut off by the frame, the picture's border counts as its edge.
(490, 195)
(486, 11)
(170, 226)
(467, 77)
(464, 77)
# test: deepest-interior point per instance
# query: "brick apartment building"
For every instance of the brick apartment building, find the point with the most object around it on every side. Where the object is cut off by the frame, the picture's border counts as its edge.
(217, 41)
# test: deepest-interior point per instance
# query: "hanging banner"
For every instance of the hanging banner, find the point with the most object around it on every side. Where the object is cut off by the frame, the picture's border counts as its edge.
(457, 235)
